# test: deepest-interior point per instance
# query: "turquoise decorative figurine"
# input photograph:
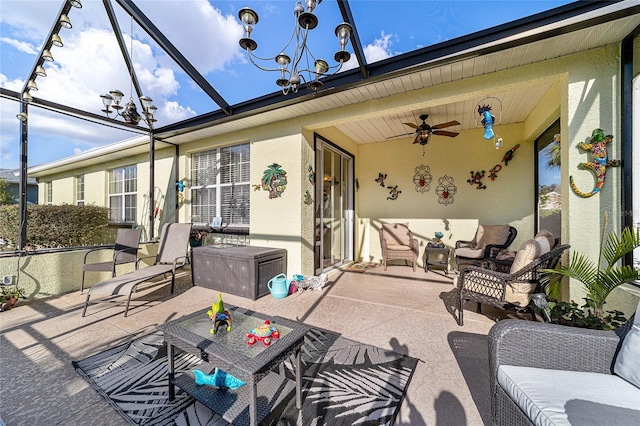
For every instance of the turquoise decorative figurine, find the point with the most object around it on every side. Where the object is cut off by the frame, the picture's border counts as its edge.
(219, 315)
(219, 379)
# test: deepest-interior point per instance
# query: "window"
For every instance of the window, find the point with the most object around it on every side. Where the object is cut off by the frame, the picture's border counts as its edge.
(48, 193)
(548, 194)
(80, 190)
(122, 194)
(220, 185)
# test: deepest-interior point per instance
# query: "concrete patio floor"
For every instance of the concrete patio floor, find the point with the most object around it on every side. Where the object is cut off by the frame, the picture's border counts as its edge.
(405, 311)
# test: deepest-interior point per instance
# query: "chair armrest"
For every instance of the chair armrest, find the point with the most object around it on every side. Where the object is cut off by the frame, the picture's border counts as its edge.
(492, 250)
(84, 260)
(140, 259)
(415, 246)
(461, 243)
(131, 250)
(551, 346)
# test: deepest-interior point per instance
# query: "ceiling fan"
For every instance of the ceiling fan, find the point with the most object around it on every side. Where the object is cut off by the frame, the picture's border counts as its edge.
(424, 131)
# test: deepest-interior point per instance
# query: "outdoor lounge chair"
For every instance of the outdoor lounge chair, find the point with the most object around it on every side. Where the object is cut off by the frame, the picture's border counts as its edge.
(398, 243)
(173, 253)
(125, 251)
(509, 291)
(488, 241)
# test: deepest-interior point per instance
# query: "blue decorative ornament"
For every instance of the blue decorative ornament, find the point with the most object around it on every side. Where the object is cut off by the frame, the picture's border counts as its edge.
(219, 379)
(487, 121)
(180, 186)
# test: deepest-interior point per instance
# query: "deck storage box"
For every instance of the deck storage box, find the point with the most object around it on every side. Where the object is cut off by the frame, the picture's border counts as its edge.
(243, 271)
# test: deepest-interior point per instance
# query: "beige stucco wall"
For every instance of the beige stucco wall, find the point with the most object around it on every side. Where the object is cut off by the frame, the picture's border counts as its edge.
(584, 94)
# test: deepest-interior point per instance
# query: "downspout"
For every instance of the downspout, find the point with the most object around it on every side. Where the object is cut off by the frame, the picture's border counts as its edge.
(626, 133)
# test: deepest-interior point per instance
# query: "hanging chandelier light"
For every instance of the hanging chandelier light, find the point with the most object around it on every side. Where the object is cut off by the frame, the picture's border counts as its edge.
(292, 67)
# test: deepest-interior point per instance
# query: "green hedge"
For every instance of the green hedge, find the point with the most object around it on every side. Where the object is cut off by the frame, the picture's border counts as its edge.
(58, 226)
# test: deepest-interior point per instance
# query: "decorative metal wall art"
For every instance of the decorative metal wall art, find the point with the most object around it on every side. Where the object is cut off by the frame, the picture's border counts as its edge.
(393, 192)
(599, 161)
(508, 156)
(476, 179)
(493, 173)
(274, 180)
(445, 190)
(307, 198)
(422, 178)
(381, 178)
(312, 175)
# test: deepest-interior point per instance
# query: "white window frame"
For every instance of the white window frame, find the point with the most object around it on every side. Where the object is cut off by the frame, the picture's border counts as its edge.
(80, 190)
(48, 193)
(213, 174)
(127, 194)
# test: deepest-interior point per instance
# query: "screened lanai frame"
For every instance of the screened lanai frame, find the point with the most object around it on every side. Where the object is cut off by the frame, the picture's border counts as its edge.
(482, 42)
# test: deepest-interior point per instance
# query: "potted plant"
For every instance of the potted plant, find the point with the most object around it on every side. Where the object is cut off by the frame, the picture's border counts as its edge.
(9, 297)
(197, 235)
(600, 280)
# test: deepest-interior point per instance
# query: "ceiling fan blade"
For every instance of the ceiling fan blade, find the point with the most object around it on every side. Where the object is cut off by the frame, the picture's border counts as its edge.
(404, 134)
(417, 139)
(447, 124)
(445, 133)
(415, 126)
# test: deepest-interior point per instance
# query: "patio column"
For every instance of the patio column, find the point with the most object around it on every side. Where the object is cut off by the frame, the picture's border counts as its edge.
(152, 203)
(24, 140)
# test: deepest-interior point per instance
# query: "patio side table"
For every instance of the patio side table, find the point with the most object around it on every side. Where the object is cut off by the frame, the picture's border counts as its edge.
(436, 258)
(264, 389)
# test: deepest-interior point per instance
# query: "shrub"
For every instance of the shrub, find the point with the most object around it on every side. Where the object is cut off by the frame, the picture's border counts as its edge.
(58, 226)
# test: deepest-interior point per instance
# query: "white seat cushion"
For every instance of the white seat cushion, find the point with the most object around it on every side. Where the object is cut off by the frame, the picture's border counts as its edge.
(469, 252)
(627, 363)
(558, 397)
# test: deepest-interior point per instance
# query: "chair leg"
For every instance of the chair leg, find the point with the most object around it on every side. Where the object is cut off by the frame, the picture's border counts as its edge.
(126, 309)
(82, 283)
(384, 261)
(173, 281)
(479, 308)
(86, 303)
(460, 311)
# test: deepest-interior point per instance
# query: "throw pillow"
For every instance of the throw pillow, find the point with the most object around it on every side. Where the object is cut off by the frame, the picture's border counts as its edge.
(627, 363)
(548, 235)
(491, 234)
(528, 251)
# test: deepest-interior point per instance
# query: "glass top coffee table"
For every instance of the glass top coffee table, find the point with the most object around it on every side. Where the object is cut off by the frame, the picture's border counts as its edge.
(231, 353)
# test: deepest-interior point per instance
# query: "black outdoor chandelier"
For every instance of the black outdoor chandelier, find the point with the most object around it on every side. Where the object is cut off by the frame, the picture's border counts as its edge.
(292, 73)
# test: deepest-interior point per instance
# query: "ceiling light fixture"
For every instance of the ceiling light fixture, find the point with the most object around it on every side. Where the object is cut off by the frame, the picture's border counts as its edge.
(292, 75)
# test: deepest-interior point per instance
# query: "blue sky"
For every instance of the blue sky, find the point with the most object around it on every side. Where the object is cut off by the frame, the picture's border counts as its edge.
(207, 33)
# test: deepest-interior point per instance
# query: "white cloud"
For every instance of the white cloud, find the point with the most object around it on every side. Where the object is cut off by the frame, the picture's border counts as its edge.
(22, 46)
(175, 112)
(378, 50)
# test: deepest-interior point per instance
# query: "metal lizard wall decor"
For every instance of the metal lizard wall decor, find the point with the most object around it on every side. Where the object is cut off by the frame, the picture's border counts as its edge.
(599, 161)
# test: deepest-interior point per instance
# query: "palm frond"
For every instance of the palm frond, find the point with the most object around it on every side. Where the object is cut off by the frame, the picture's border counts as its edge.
(615, 248)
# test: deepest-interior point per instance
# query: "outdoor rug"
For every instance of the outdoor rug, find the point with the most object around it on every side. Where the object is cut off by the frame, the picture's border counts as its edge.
(344, 383)
(362, 266)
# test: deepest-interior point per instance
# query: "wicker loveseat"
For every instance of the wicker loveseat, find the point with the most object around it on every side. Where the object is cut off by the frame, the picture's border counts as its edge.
(547, 374)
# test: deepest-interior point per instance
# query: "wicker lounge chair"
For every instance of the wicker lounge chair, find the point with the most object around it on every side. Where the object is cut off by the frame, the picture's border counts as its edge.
(173, 253)
(510, 291)
(398, 243)
(125, 251)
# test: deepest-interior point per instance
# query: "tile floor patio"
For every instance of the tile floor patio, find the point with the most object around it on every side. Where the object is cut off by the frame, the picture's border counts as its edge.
(409, 312)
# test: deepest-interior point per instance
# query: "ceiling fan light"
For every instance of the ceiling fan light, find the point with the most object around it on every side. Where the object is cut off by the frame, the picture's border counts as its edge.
(56, 40)
(40, 71)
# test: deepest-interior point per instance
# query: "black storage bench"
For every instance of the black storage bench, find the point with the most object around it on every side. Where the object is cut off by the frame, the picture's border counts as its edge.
(243, 271)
